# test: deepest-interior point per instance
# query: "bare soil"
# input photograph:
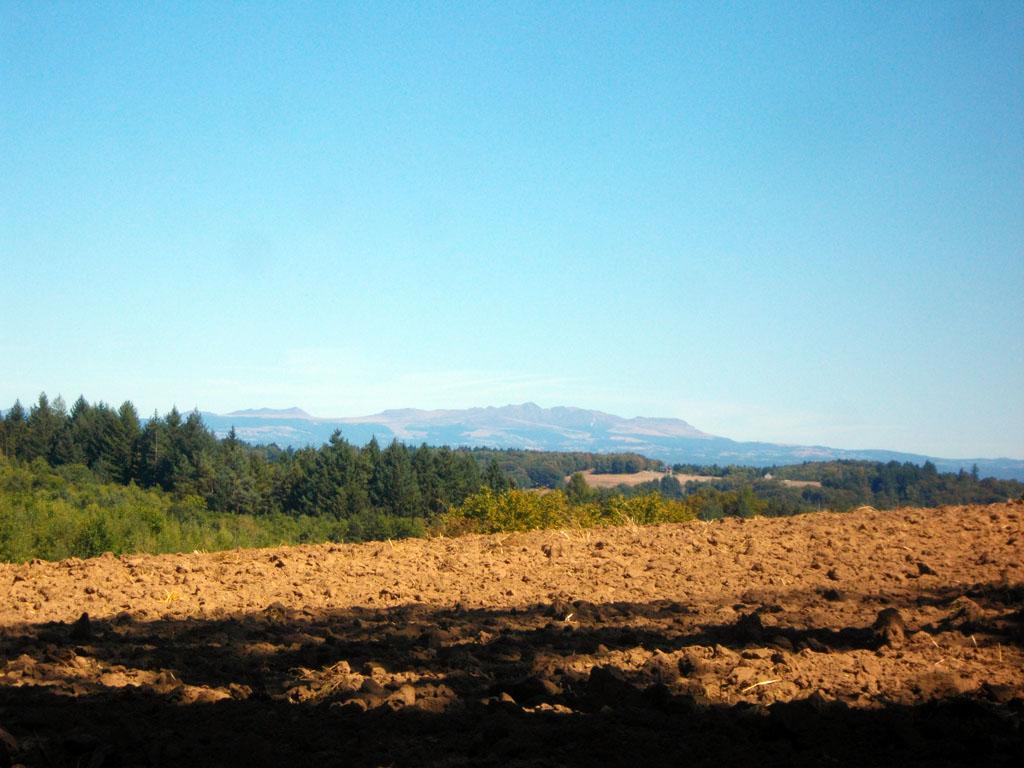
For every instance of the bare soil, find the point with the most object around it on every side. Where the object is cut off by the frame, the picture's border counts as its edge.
(801, 483)
(609, 480)
(868, 638)
(595, 480)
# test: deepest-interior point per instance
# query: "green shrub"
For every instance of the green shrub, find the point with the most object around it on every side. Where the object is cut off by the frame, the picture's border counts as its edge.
(69, 513)
(487, 512)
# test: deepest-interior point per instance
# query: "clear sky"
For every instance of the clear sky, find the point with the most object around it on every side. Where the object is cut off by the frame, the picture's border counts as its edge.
(796, 222)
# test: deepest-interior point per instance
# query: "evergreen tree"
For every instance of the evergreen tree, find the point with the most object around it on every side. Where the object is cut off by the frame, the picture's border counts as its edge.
(333, 470)
(425, 468)
(233, 486)
(77, 422)
(64, 449)
(375, 478)
(15, 425)
(444, 470)
(41, 431)
(154, 454)
(357, 482)
(401, 494)
(125, 447)
(494, 478)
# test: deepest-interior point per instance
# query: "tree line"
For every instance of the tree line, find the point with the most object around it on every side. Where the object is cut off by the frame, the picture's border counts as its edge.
(549, 469)
(92, 478)
(844, 484)
(177, 453)
(59, 512)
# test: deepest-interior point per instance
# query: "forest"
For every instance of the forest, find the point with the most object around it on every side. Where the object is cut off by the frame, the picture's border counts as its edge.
(848, 484)
(177, 454)
(94, 478)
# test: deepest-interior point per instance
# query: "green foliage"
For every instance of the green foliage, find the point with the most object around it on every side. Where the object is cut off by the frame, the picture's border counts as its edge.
(68, 512)
(495, 479)
(400, 491)
(96, 478)
(512, 510)
(177, 454)
(515, 510)
(577, 490)
(849, 484)
(844, 485)
(548, 469)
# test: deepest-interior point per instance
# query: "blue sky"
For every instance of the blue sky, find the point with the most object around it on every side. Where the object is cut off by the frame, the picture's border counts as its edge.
(779, 221)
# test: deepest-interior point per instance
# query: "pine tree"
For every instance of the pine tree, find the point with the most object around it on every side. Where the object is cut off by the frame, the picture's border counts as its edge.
(154, 463)
(375, 476)
(425, 468)
(14, 431)
(41, 431)
(495, 479)
(401, 494)
(126, 443)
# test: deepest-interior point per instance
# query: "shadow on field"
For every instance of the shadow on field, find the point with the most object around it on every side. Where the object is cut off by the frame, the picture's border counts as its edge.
(415, 685)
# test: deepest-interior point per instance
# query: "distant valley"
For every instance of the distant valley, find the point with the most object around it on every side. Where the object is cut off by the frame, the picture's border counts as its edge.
(528, 426)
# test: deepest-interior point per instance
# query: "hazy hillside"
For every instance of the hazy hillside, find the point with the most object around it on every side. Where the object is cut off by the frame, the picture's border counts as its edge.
(529, 426)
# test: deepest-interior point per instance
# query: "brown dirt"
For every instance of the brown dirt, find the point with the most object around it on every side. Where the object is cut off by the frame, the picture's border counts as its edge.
(801, 483)
(869, 638)
(635, 478)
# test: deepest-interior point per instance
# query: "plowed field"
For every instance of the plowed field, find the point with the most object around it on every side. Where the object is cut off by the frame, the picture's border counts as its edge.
(868, 638)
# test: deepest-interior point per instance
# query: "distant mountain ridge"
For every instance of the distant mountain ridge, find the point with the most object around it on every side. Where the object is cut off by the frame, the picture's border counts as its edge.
(563, 428)
(272, 413)
(511, 422)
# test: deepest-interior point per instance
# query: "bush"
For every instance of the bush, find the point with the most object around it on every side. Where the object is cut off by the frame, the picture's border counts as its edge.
(514, 510)
(69, 513)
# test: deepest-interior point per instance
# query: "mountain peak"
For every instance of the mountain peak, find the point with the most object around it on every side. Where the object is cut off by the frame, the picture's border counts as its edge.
(562, 428)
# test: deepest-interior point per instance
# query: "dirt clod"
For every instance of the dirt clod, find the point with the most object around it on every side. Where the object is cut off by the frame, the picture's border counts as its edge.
(889, 628)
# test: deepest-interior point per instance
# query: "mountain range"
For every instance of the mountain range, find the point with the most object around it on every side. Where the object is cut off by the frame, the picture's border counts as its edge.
(529, 426)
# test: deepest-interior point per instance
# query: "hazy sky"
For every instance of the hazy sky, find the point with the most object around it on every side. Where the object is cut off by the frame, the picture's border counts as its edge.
(779, 221)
